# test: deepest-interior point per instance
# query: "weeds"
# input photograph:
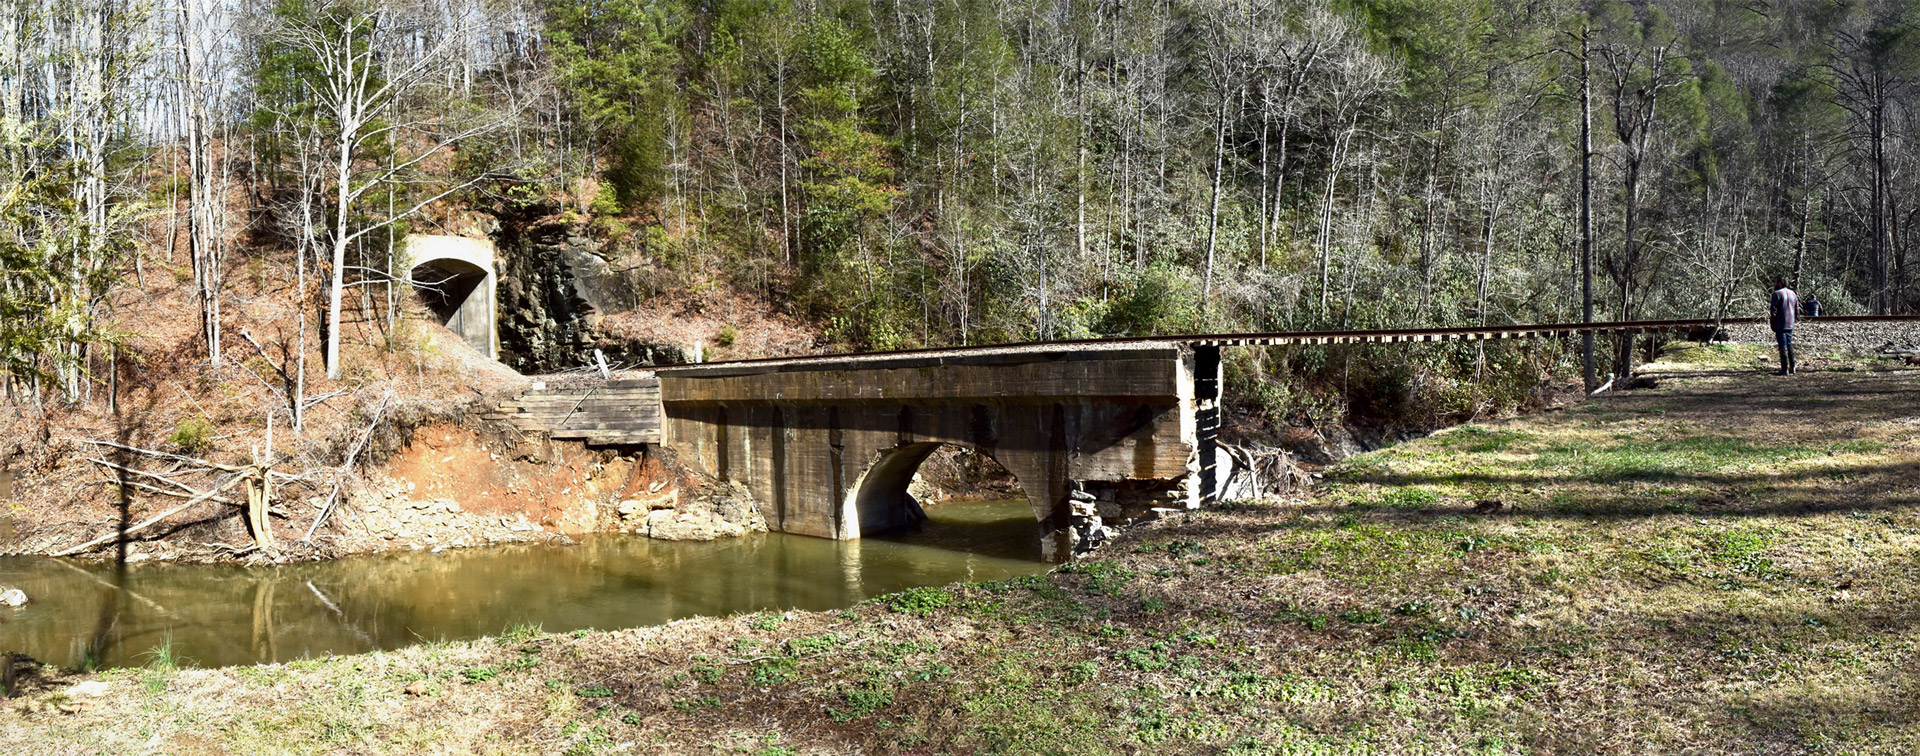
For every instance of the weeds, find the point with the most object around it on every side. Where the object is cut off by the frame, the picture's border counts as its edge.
(770, 672)
(159, 668)
(920, 601)
(765, 623)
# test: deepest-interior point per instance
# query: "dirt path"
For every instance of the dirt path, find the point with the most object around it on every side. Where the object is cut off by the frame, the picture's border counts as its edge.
(1728, 563)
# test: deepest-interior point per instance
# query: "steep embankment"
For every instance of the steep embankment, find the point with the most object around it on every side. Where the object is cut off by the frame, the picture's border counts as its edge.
(159, 423)
(1729, 562)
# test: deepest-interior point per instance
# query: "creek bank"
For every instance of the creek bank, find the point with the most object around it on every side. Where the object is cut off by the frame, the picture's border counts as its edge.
(435, 476)
(469, 483)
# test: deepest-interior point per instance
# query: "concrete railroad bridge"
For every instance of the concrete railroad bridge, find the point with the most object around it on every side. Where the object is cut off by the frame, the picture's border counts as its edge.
(1097, 432)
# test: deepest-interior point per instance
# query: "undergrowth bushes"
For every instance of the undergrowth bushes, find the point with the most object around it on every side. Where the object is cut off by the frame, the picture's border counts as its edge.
(1404, 385)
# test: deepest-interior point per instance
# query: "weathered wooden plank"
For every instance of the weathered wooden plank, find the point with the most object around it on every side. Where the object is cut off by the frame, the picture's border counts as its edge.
(531, 401)
(579, 427)
(625, 438)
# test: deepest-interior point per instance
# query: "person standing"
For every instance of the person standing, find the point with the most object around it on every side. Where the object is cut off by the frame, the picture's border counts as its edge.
(1783, 313)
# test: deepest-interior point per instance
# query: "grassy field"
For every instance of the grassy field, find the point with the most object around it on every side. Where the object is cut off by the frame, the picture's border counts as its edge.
(1728, 563)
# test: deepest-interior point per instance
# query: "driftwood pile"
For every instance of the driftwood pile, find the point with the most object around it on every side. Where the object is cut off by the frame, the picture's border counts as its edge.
(1259, 472)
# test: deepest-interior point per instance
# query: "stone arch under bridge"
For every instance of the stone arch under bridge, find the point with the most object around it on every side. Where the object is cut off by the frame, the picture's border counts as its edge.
(827, 446)
(455, 277)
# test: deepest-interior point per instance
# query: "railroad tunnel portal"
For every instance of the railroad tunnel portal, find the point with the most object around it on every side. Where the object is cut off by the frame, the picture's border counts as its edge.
(454, 276)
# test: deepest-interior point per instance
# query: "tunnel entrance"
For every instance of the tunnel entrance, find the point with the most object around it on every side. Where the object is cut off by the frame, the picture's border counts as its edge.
(453, 276)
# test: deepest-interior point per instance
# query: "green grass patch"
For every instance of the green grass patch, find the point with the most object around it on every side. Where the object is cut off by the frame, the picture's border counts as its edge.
(1475, 439)
(812, 645)
(1713, 354)
(770, 672)
(920, 601)
(1669, 459)
(764, 622)
(1103, 576)
(863, 701)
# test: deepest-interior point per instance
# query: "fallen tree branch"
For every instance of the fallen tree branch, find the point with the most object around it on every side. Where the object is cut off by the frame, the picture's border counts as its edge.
(185, 490)
(576, 408)
(319, 398)
(352, 454)
(176, 494)
(165, 455)
(232, 550)
(149, 522)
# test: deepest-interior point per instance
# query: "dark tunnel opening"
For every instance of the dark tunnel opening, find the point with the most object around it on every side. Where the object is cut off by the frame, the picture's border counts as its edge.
(454, 292)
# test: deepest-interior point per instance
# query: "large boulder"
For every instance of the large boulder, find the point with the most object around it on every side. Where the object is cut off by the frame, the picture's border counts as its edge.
(670, 525)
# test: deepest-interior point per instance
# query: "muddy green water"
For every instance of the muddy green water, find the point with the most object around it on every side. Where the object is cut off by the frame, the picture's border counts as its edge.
(223, 615)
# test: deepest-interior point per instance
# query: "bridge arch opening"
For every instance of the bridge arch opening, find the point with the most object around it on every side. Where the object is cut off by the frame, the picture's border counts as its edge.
(992, 513)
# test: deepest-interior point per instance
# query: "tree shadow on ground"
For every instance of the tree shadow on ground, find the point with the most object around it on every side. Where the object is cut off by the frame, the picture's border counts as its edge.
(1828, 489)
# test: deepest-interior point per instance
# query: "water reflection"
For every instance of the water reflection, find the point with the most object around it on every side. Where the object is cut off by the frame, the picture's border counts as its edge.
(222, 615)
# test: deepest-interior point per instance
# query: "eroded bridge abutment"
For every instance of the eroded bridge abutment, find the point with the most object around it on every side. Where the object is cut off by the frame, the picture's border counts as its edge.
(827, 447)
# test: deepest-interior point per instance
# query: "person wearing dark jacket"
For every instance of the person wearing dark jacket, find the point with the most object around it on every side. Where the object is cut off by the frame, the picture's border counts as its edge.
(1783, 313)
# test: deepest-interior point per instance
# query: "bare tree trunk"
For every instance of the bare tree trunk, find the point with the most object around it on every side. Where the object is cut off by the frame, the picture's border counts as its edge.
(1340, 143)
(1592, 381)
(1800, 241)
(1213, 211)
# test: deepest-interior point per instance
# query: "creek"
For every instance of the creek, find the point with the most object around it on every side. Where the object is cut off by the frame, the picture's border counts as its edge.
(220, 615)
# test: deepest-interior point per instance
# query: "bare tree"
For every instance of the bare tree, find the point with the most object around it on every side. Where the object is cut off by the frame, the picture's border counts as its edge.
(1640, 75)
(1866, 57)
(370, 65)
(199, 36)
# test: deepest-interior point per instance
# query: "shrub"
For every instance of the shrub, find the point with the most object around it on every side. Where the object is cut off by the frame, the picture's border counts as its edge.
(192, 436)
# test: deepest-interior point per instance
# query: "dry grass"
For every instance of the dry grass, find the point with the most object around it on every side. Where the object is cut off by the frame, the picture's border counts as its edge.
(1729, 563)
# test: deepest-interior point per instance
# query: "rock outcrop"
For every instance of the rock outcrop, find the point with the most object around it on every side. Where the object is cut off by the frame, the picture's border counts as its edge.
(553, 287)
(716, 510)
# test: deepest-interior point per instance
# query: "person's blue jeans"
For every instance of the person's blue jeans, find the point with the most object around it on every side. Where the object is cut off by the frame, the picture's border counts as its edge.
(1785, 339)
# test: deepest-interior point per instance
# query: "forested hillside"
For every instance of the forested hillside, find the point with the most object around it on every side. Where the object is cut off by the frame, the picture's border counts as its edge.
(928, 172)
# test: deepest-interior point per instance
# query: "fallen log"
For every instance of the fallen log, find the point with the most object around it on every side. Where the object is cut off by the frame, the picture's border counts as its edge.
(151, 521)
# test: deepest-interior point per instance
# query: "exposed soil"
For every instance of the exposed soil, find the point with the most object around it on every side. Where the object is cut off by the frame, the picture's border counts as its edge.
(430, 476)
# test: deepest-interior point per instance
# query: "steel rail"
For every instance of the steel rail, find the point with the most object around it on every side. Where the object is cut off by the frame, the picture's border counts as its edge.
(1285, 338)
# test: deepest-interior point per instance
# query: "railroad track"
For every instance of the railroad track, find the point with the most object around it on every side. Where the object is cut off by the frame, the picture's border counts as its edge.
(1285, 338)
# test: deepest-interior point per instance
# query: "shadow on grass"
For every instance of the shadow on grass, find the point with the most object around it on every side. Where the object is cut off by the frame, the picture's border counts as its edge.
(1786, 492)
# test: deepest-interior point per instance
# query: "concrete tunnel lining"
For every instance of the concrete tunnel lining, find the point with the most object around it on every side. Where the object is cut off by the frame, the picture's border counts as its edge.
(455, 276)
